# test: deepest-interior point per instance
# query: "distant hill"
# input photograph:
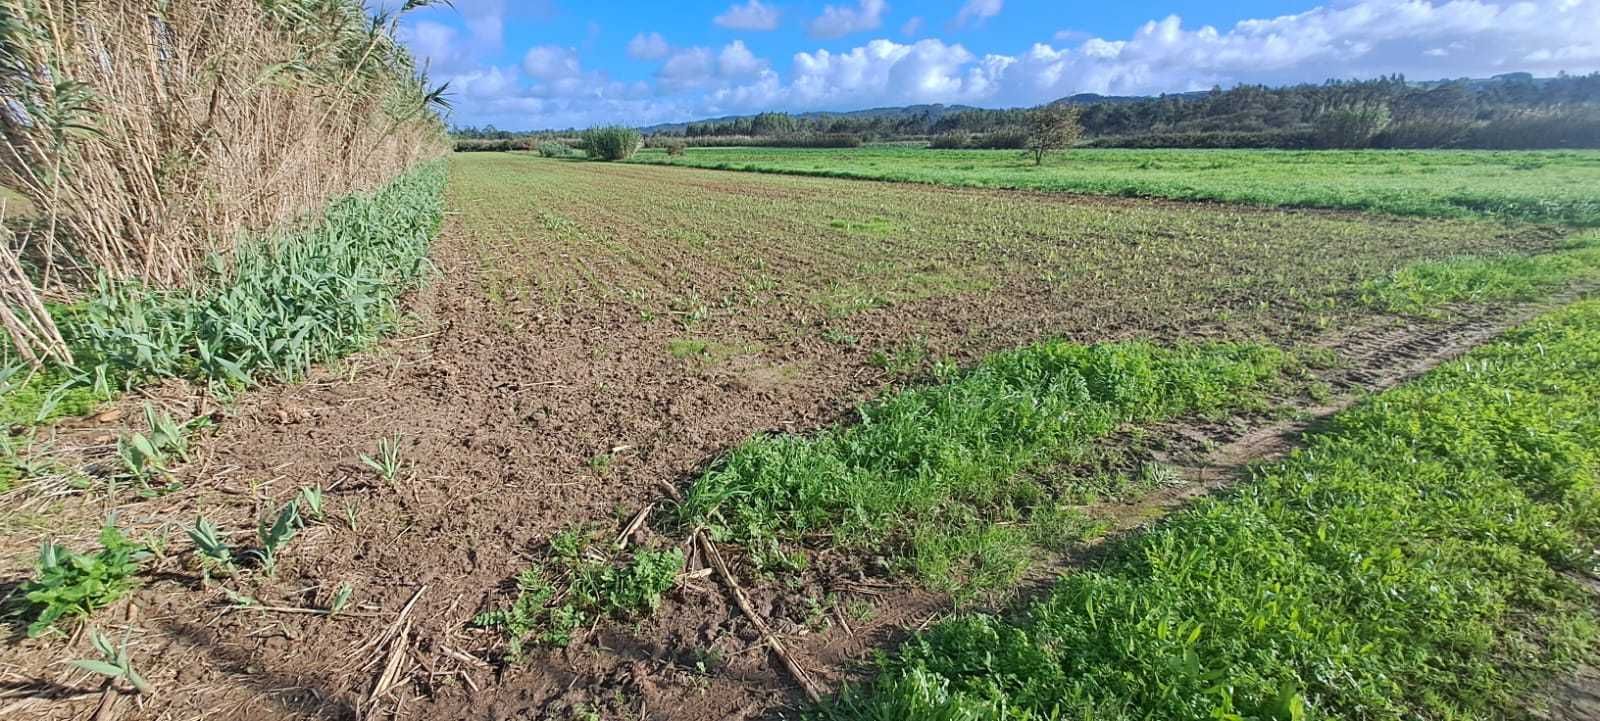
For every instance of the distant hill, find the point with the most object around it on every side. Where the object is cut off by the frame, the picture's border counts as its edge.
(931, 112)
(934, 112)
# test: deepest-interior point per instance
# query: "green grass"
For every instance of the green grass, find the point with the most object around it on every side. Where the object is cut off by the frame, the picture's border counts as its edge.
(1409, 563)
(1542, 186)
(935, 472)
(1422, 288)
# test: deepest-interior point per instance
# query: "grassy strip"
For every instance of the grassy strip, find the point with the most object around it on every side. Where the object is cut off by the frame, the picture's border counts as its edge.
(937, 470)
(1407, 564)
(1536, 186)
(1421, 288)
(282, 305)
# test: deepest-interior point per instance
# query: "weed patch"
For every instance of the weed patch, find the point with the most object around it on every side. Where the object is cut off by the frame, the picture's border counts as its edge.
(936, 471)
(67, 584)
(579, 582)
(1421, 288)
(1408, 563)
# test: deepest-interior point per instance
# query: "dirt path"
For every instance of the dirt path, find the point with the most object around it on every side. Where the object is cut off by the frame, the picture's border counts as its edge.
(515, 420)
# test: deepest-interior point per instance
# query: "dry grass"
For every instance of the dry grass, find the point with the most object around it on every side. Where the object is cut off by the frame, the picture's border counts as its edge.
(150, 135)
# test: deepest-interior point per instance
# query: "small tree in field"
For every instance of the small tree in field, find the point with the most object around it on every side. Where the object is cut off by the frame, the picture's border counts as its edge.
(1052, 127)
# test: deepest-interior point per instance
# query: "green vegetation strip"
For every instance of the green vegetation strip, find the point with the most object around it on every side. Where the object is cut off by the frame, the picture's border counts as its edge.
(1423, 287)
(1408, 563)
(1538, 186)
(938, 470)
(281, 305)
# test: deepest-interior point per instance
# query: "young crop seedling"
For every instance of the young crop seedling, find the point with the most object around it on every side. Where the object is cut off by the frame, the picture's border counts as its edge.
(311, 499)
(114, 663)
(340, 600)
(144, 456)
(214, 552)
(387, 463)
(74, 585)
(275, 536)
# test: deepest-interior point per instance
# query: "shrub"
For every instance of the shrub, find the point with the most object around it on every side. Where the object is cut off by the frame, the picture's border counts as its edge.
(675, 147)
(614, 142)
(950, 141)
(1557, 128)
(1424, 133)
(796, 140)
(1351, 127)
(1281, 139)
(482, 145)
(552, 149)
(1009, 139)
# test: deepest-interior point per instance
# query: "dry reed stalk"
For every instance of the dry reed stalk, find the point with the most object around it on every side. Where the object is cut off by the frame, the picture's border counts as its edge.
(150, 135)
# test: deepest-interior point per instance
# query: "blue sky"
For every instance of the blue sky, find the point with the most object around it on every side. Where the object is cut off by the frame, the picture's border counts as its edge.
(563, 63)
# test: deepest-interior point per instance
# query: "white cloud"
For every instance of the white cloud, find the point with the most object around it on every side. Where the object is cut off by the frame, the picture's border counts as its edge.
(912, 27)
(687, 69)
(1424, 39)
(838, 21)
(648, 46)
(551, 62)
(753, 15)
(977, 11)
(737, 61)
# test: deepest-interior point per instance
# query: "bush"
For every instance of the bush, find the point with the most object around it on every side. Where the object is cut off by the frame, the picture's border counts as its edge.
(1424, 133)
(483, 145)
(1352, 127)
(552, 149)
(1539, 129)
(1011, 139)
(1280, 139)
(674, 147)
(613, 142)
(796, 140)
(950, 141)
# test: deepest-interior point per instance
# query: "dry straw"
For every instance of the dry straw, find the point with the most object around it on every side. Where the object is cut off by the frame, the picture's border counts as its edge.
(152, 135)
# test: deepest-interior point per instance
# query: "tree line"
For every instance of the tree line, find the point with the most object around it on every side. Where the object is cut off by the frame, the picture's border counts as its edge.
(1508, 111)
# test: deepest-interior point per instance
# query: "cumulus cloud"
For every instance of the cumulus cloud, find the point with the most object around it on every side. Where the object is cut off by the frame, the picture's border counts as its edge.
(1424, 39)
(648, 46)
(839, 21)
(977, 11)
(551, 62)
(753, 15)
(737, 61)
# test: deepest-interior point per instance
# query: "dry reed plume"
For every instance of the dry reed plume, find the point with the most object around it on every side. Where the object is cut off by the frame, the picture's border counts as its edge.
(152, 135)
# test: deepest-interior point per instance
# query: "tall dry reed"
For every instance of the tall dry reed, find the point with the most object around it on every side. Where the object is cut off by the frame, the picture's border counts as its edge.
(152, 135)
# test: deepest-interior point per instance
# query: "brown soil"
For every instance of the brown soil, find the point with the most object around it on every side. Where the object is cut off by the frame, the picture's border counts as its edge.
(518, 421)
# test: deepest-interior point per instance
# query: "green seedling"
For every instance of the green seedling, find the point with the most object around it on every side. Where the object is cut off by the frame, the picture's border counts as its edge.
(114, 663)
(214, 552)
(387, 463)
(275, 536)
(310, 499)
(340, 600)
